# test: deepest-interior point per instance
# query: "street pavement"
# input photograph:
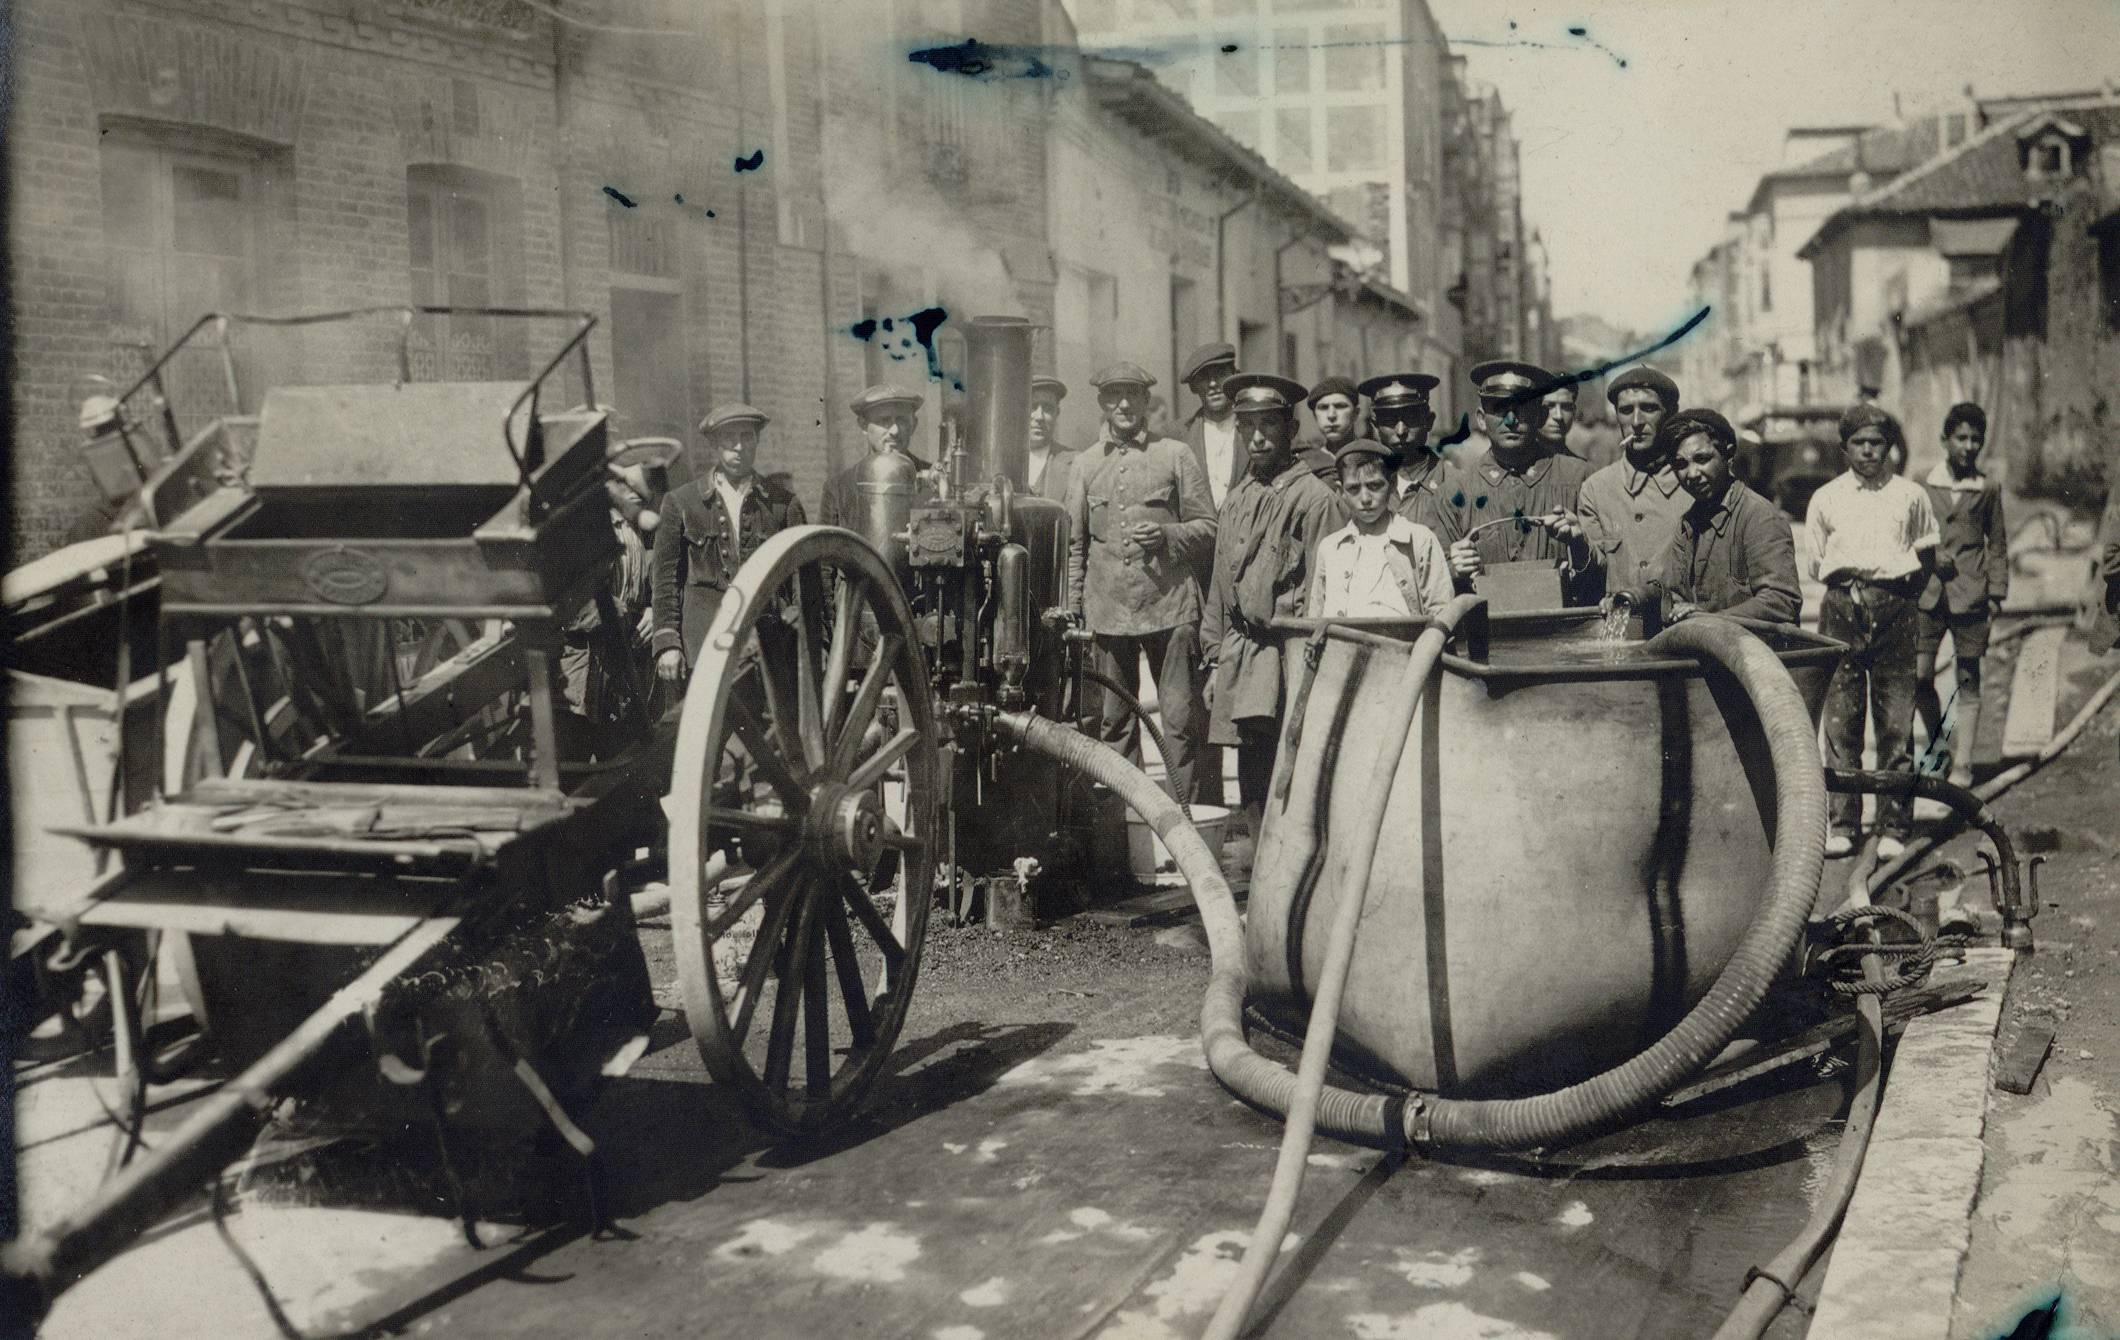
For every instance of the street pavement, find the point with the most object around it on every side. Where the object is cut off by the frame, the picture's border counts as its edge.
(1049, 1158)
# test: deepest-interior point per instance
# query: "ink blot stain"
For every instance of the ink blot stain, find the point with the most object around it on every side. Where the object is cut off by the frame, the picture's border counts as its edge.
(1229, 48)
(621, 197)
(1480, 501)
(974, 59)
(923, 325)
(751, 163)
(710, 213)
(1578, 32)
(1458, 499)
(679, 197)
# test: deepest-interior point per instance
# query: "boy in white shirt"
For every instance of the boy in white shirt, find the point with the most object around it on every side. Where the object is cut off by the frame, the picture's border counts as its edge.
(1871, 537)
(1379, 565)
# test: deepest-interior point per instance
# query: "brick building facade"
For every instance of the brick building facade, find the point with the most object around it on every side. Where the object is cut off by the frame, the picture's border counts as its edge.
(758, 201)
(176, 158)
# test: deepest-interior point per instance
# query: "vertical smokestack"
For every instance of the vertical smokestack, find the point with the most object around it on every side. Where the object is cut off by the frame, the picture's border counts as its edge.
(997, 378)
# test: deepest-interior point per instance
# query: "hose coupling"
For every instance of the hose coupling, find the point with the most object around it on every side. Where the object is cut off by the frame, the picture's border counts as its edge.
(1417, 1124)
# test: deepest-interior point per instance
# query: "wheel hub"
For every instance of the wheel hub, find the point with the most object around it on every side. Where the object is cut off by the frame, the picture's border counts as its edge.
(848, 826)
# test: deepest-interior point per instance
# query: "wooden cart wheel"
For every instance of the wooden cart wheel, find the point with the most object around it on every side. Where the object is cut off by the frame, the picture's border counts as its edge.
(806, 750)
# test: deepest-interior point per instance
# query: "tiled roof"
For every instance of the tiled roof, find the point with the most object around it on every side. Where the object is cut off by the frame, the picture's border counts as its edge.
(1884, 151)
(1989, 173)
(1982, 175)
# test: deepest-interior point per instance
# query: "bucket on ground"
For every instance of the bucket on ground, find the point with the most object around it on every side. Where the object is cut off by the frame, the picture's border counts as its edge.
(1147, 856)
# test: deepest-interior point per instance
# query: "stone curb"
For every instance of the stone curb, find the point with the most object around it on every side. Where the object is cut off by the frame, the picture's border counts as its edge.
(1894, 1270)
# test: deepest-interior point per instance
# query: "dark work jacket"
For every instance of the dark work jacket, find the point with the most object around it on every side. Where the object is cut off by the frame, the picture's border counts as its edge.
(1969, 522)
(696, 556)
(1737, 557)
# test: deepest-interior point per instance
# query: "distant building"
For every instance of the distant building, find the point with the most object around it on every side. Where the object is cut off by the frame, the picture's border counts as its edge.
(1761, 346)
(1990, 272)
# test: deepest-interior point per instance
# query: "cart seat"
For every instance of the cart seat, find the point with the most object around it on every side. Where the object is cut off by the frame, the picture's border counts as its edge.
(399, 830)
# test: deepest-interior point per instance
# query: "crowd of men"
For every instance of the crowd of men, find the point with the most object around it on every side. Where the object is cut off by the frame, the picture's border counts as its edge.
(1192, 544)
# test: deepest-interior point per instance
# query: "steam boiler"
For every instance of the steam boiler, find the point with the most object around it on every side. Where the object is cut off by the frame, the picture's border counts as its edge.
(981, 562)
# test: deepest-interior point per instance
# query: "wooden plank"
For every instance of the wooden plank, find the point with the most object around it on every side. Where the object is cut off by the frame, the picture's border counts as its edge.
(224, 915)
(2017, 1065)
(2034, 691)
(1144, 909)
(219, 791)
(1818, 1040)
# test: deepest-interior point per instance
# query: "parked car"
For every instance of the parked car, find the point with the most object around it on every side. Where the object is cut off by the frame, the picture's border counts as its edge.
(1786, 451)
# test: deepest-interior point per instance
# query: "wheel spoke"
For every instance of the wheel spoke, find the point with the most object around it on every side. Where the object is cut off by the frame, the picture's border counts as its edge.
(756, 887)
(764, 950)
(839, 662)
(873, 683)
(851, 987)
(809, 634)
(780, 1047)
(816, 1020)
(764, 755)
(777, 673)
(872, 921)
(879, 763)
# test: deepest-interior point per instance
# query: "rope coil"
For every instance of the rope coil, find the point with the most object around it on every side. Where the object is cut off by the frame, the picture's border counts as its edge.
(1906, 963)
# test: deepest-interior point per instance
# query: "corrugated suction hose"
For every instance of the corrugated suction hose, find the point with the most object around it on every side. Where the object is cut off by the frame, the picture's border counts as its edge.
(1555, 1118)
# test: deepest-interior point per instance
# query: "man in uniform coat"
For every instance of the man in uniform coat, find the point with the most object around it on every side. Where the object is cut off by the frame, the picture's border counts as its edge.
(1140, 521)
(709, 527)
(1265, 541)
(1426, 484)
(1631, 508)
(1051, 464)
(1527, 495)
(888, 414)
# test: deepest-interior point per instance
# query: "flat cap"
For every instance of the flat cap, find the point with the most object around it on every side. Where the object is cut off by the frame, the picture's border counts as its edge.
(1206, 356)
(1051, 386)
(1683, 424)
(721, 416)
(1256, 391)
(1646, 378)
(884, 396)
(1398, 390)
(1335, 386)
(1366, 448)
(1510, 367)
(1122, 374)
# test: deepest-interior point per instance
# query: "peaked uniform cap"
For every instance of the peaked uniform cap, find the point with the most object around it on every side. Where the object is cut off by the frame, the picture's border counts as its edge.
(1499, 367)
(1052, 386)
(1263, 391)
(1396, 390)
(1122, 374)
(721, 416)
(1206, 356)
(885, 396)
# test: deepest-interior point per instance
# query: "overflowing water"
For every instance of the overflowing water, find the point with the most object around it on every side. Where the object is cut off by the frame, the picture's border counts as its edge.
(1612, 626)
